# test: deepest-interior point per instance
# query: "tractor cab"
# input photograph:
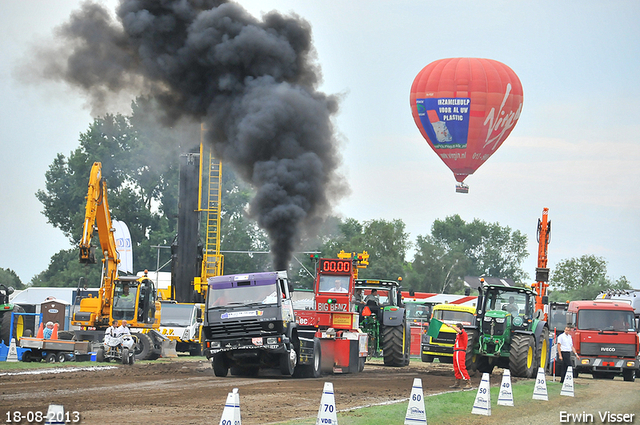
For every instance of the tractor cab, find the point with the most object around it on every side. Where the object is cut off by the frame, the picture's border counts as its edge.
(510, 334)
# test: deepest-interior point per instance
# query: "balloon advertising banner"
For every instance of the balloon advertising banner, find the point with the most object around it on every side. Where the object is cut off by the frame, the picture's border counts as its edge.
(465, 108)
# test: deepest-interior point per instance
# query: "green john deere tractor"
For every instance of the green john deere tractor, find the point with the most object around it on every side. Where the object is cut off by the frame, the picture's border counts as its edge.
(6, 308)
(511, 334)
(385, 321)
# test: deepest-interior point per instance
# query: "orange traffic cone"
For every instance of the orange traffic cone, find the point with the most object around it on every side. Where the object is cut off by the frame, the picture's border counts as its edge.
(54, 334)
(40, 333)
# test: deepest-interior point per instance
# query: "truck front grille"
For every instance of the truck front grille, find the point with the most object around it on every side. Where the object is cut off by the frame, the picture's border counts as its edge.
(444, 338)
(239, 328)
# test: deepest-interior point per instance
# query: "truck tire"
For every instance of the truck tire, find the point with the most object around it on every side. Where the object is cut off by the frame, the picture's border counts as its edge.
(18, 326)
(219, 365)
(288, 361)
(100, 355)
(426, 358)
(51, 358)
(522, 356)
(143, 346)
(629, 375)
(62, 357)
(392, 340)
(313, 370)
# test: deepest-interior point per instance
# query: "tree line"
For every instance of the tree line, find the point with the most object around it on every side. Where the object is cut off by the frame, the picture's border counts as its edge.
(140, 164)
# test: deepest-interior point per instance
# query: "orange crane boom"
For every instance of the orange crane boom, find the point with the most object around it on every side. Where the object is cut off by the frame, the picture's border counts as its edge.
(542, 272)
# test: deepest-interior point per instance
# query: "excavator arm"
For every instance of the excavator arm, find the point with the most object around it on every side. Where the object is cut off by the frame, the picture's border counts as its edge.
(542, 272)
(97, 215)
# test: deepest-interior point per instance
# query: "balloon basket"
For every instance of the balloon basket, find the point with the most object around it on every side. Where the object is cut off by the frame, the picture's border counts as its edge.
(462, 188)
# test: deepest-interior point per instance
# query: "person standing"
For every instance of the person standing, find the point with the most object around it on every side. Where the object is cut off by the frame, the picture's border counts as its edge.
(460, 357)
(565, 348)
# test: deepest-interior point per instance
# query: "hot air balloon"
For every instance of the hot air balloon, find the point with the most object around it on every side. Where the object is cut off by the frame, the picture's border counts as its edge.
(465, 108)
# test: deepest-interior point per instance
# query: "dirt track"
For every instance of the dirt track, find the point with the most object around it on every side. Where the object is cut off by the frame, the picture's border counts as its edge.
(186, 391)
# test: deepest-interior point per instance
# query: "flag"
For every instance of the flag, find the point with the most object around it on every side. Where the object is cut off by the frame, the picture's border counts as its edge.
(434, 328)
(123, 246)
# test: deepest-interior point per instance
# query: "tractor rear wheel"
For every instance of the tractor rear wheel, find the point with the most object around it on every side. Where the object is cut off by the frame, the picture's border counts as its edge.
(522, 356)
(470, 359)
(542, 353)
(18, 326)
(393, 340)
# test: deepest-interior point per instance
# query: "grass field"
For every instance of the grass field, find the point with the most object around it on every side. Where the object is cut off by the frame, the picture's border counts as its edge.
(447, 408)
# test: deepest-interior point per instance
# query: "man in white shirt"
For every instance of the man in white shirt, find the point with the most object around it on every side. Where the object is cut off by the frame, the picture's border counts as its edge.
(337, 286)
(565, 348)
(111, 330)
(122, 329)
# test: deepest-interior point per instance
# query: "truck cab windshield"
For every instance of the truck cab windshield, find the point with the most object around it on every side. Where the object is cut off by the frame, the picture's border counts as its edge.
(606, 320)
(225, 295)
(453, 317)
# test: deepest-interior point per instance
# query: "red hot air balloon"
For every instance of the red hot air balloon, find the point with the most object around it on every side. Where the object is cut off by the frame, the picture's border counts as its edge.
(465, 108)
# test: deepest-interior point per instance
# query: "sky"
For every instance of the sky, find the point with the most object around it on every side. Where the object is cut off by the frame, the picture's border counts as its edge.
(574, 150)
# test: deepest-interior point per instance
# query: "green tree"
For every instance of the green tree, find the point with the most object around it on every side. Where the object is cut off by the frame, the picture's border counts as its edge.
(9, 278)
(386, 242)
(140, 164)
(435, 269)
(582, 278)
(65, 270)
(456, 248)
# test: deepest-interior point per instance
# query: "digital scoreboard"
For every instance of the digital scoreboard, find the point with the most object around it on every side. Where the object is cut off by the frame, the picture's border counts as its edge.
(336, 266)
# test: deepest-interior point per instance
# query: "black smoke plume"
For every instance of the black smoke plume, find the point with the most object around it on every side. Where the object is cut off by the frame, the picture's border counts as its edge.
(252, 82)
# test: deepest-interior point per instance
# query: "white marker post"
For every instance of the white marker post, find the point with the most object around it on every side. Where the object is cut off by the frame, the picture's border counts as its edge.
(231, 412)
(416, 413)
(55, 415)
(327, 412)
(567, 385)
(540, 390)
(505, 397)
(12, 355)
(482, 404)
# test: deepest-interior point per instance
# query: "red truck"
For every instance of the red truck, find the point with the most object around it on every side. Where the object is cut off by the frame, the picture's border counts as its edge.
(330, 340)
(605, 337)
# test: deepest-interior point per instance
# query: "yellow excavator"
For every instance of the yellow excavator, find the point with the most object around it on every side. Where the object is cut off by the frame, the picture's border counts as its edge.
(130, 298)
